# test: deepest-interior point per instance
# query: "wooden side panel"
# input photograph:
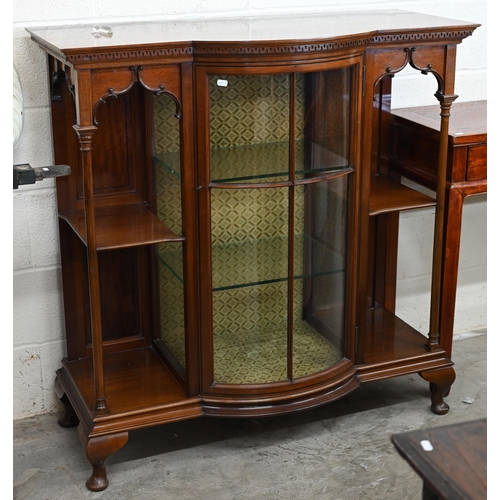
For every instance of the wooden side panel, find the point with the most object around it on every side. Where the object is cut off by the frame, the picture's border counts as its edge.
(121, 305)
(112, 171)
(75, 287)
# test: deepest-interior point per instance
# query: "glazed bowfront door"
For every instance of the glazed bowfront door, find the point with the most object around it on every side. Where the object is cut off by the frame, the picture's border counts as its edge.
(276, 176)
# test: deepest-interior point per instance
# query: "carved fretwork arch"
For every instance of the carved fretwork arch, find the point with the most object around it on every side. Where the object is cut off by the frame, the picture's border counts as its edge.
(159, 91)
(409, 52)
(136, 76)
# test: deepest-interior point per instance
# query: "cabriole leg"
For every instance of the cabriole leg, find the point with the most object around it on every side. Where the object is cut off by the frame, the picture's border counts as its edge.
(97, 450)
(69, 418)
(440, 382)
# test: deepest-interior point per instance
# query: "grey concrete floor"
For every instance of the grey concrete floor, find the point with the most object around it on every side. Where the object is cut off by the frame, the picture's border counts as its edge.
(338, 451)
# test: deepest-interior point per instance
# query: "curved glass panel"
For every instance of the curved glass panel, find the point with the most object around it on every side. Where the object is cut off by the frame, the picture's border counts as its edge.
(279, 252)
(323, 124)
(319, 290)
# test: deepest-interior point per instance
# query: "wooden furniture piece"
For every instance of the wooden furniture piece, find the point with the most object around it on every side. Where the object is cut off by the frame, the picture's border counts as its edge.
(222, 231)
(414, 154)
(451, 459)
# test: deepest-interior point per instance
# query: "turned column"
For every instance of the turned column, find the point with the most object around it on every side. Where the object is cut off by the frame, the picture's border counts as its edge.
(445, 96)
(85, 135)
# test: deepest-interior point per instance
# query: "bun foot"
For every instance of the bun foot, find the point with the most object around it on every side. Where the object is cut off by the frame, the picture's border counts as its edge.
(98, 481)
(97, 450)
(440, 382)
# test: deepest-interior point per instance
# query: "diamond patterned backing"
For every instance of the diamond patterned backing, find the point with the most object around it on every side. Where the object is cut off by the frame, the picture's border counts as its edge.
(250, 336)
(251, 109)
(240, 215)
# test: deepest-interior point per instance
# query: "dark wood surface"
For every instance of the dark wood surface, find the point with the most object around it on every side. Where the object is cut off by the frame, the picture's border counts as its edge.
(122, 226)
(456, 467)
(389, 338)
(281, 31)
(388, 195)
(415, 135)
(136, 381)
(467, 121)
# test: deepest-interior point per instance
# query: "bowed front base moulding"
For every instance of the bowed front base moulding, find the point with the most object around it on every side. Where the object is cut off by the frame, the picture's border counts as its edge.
(227, 229)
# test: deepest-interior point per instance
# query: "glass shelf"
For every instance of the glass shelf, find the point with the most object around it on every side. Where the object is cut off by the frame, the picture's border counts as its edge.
(265, 261)
(170, 161)
(257, 262)
(263, 161)
(270, 161)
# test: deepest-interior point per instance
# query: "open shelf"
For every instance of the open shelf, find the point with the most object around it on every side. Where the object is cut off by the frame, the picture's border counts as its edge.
(388, 339)
(122, 226)
(388, 195)
(136, 381)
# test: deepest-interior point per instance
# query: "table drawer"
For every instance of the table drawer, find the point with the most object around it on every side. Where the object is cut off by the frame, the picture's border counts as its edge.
(476, 162)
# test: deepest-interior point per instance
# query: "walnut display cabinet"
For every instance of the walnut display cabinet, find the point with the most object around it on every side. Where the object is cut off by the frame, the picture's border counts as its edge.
(229, 229)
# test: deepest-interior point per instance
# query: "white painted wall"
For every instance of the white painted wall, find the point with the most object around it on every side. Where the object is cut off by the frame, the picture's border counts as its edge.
(38, 326)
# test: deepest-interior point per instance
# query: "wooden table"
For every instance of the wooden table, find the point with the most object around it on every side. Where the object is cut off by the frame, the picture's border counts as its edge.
(414, 154)
(455, 468)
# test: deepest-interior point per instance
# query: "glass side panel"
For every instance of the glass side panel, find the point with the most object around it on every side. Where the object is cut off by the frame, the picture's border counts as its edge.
(249, 128)
(172, 299)
(323, 125)
(319, 294)
(169, 211)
